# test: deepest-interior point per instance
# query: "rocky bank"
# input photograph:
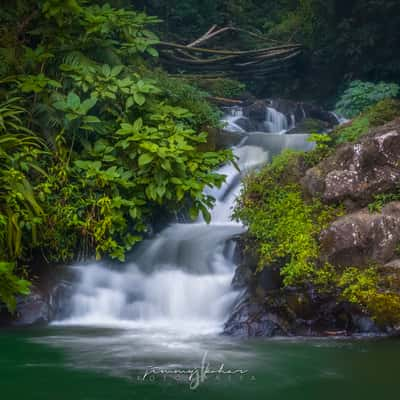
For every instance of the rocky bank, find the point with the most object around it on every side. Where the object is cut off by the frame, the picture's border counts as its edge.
(352, 176)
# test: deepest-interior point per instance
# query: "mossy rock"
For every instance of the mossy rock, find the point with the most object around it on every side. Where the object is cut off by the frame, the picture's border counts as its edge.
(310, 125)
(376, 115)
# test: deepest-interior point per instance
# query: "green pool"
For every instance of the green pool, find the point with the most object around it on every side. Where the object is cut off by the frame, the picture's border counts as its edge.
(99, 363)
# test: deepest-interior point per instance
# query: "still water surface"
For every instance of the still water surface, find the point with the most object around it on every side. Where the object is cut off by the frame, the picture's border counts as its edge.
(100, 363)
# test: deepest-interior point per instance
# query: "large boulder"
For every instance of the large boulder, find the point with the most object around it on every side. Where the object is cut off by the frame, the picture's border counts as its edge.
(358, 171)
(360, 237)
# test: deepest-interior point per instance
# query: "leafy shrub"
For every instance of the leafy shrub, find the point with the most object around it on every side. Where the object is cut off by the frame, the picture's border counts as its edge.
(380, 200)
(282, 224)
(323, 148)
(179, 92)
(20, 149)
(378, 114)
(223, 87)
(383, 112)
(124, 142)
(364, 287)
(361, 95)
(11, 285)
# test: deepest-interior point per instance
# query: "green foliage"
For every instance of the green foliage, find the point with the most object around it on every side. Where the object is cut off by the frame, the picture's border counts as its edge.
(124, 138)
(364, 287)
(227, 88)
(353, 131)
(361, 95)
(358, 284)
(376, 115)
(11, 285)
(383, 112)
(19, 150)
(283, 225)
(380, 200)
(182, 93)
(323, 148)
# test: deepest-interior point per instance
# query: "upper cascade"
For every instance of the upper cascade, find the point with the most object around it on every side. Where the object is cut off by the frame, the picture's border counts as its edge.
(268, 120)
(279, 116)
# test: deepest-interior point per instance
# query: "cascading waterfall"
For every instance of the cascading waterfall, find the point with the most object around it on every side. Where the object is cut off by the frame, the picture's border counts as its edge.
(181, 279)
(276, 122)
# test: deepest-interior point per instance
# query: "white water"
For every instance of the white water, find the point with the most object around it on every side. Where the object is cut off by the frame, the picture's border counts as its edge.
(230, 118)
(180, 281)
(276, 121)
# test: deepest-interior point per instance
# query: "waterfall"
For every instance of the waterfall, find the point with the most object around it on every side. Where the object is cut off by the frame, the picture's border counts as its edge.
(276, 122)
(179, 280)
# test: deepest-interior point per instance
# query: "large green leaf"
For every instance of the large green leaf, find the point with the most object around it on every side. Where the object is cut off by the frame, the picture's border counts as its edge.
(73, 100)
(145, 159)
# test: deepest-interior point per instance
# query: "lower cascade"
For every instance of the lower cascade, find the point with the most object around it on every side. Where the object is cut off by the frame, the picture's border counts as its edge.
(180, 280)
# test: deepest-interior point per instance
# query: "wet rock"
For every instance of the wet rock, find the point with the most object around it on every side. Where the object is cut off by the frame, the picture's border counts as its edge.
(242, 277)
(297, 312)
(249, 319)
(227, 139)
(246, 124)
(32, 310)
(361, 237)
(301, 305)
(270, 278)
(315, 112)
(257, 111)
(47, 301)
(393, 265)
(364, 324)
(358, 171)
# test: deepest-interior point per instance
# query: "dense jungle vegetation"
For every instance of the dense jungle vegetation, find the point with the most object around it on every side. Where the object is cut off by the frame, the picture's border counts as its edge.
(94, 141)
(97, 141)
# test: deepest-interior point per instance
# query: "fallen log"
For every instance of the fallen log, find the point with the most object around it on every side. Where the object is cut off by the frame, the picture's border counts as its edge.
(224, 101)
